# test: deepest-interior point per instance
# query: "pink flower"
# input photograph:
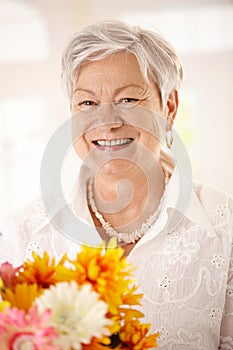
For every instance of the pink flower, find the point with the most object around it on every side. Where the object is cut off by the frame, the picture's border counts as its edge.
(20, 330)
(8, 274)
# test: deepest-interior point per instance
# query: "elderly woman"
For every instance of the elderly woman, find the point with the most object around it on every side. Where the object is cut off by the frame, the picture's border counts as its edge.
(134, 185)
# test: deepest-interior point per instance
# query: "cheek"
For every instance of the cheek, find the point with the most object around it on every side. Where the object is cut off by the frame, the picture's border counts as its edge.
(150, 142)
(81, 147)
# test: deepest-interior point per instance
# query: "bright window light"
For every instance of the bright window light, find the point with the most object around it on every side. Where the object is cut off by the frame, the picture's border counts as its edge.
(191, 30)
(23, 33)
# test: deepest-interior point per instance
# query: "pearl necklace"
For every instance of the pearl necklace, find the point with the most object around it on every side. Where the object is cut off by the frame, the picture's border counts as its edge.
(125, 237)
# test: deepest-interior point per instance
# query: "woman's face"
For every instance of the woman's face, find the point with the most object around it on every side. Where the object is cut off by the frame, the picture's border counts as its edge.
(115, 80)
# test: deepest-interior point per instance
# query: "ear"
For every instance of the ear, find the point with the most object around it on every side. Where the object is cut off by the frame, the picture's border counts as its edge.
(172, 107)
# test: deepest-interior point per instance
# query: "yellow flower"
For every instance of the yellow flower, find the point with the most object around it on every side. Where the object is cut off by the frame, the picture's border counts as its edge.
(108, 272)
(22, 296)
(4, 305)
(66, 274)
(136, 336)
(110, 276)
(97, 344)
(41, 270)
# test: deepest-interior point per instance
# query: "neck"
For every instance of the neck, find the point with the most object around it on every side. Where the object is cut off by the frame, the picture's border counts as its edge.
(126, 200)
(109, 187)
(128, 238)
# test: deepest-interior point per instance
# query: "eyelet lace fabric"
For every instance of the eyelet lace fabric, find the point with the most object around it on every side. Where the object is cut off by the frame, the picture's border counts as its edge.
(30, 229)
(186, 275)
(187, 280)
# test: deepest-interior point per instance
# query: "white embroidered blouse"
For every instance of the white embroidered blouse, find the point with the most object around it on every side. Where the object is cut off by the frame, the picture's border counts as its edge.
(186, 274)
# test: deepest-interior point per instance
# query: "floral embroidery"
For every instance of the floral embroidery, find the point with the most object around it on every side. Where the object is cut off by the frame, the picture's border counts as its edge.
(164, 282)
(217, 260)
(215, 315)
(220, 216)
(179, 248)
(227, 341)
(229, 292)
(231, 261)
(222, 211)
(192, 340)
(172, 236)
(183, 274)
(164, 335)
(32, 246)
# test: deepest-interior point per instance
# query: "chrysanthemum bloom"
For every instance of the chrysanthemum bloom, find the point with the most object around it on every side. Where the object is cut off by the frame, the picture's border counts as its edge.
(97, 344)
(137, 337)
(3, 304)
(22, 296)
(77, 313)
(19, 331)
(110, 276)
(41, 270)
(107, 271)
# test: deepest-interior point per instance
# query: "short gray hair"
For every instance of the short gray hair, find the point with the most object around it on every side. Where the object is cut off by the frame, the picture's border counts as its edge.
(156, 57)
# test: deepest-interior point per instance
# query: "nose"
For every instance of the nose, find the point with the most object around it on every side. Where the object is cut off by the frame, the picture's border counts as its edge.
(109, 117)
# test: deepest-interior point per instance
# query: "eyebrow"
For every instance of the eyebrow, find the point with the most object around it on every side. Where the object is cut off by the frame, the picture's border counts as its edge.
(84, 90)
(116, 91)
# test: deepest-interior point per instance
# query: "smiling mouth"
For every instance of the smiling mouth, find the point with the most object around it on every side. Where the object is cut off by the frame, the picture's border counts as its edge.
(113, 143)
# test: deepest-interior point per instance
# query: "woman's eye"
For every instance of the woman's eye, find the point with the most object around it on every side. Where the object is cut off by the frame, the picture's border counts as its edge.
(128, 100)
(87, 105)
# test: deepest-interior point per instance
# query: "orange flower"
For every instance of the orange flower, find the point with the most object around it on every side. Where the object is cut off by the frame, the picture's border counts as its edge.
(110, 276)
(67, 274)
(22, 296)
(135, 336)
(3, 304)
(41, 270)
(108, 272)
(97, 344)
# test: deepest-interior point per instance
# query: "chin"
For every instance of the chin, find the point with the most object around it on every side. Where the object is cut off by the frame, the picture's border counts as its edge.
(115, 167)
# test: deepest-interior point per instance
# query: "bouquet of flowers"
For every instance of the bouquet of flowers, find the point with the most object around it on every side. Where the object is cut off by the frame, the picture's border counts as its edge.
(86, 303)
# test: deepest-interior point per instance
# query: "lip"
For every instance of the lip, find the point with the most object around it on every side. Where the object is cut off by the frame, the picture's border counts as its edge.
(115, 147)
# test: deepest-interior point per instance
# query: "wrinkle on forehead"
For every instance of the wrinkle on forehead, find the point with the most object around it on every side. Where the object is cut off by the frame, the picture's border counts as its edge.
(120, 69)
(131, 88)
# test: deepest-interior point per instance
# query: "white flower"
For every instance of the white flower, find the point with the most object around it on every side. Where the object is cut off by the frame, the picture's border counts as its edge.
(77, 313)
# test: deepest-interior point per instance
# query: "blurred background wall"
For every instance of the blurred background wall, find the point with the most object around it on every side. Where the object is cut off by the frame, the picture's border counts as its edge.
(32, 37)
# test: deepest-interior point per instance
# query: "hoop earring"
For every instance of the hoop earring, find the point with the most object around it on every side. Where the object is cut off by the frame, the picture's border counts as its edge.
(169, 141)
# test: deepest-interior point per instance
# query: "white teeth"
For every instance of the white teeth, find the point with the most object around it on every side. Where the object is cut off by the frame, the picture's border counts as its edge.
(101, 143)
(113, 142)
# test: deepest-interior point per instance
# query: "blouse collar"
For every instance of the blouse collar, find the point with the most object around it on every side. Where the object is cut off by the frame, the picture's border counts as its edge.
(180, 202)
(180, 198)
